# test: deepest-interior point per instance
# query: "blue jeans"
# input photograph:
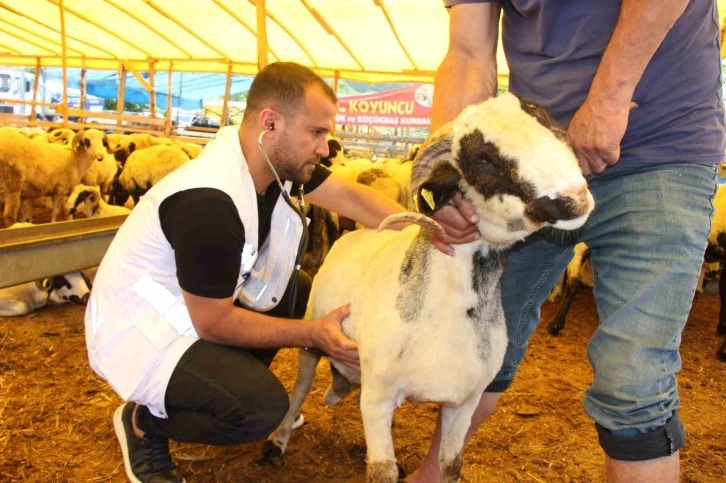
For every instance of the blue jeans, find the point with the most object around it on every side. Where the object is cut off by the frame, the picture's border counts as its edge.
(647, 235)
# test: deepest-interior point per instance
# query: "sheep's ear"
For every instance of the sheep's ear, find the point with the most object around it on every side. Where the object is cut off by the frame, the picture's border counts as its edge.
(438, 189)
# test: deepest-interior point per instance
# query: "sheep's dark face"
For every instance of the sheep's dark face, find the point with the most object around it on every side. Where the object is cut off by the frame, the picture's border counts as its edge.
(72, 288)
(83, 199)
(509, 157)
(334, 149)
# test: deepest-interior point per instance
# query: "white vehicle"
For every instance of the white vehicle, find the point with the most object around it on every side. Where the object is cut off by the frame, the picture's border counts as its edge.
(14, 88)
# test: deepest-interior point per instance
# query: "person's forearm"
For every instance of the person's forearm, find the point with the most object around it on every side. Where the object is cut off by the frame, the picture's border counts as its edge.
(640, 30)
(246, 328)
(468, 73)
(367, 206)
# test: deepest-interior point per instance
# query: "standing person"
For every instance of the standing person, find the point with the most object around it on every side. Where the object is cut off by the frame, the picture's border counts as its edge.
(651, 171)
(162, 325)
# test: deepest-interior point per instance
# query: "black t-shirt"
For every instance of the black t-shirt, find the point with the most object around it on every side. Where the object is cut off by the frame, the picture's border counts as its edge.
(204, 229)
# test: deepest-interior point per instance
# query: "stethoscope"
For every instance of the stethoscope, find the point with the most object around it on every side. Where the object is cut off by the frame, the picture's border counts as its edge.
(301, 204)
(303, 240)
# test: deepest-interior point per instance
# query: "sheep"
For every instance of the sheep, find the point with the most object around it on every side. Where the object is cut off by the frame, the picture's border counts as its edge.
(88, 200)
(193, 150)
(131, 143)
(143, 169)
(430, 327)
(102, 174)
(578, 274)
(61, 136)
(22, 299)
(29, 169)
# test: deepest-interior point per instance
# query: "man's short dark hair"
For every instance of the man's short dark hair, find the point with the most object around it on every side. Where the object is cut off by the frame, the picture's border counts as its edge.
(281, 86)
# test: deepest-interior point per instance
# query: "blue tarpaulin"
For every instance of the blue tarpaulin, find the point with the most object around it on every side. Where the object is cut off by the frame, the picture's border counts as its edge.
(189, 90)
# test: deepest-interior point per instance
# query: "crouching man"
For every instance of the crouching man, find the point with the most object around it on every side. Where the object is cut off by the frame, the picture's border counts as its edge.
(162, 326)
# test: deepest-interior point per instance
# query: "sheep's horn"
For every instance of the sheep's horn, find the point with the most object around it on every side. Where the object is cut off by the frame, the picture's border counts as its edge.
(436, 149)
(427, 224)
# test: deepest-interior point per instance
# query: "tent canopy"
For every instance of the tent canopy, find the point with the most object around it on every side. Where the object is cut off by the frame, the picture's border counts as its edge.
(365, 40)
(188, 89)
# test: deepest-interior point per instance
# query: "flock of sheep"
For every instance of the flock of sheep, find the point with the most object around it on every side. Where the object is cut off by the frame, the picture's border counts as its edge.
(88, 172)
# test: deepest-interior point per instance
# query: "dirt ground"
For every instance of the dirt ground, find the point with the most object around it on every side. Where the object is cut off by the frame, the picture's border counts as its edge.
(55, 414)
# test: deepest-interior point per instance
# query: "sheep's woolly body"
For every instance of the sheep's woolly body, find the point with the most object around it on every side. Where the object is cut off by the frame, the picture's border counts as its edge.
(406, 290)
(148, 166)
(22, 299)
(101, 174)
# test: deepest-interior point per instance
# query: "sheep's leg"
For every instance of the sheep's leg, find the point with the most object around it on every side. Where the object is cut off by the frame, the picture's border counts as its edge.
(25, 213)
(58, 200)
(721, 330)
(12, 205)
(455, 422)
(571, 288)
(277, 442)
(339, 387)
(721, 353)
(9, 308)
(377, 413)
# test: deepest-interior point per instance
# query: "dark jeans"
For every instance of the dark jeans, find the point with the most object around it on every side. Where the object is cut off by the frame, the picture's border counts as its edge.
(225, 395)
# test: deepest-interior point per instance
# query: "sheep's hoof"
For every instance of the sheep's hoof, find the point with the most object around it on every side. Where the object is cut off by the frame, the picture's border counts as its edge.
(401, 473)
(271, 453)
(721, 329)
(554, 329)
(721, 354)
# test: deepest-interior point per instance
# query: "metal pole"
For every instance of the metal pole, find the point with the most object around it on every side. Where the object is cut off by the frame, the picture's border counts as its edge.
(225, 105)
(31, 116)
(65, 62)
(262, 56)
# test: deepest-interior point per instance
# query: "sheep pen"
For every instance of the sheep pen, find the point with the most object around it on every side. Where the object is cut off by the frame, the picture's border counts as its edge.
(56, 414)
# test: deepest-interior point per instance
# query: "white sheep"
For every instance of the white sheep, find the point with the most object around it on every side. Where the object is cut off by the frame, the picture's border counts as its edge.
(88, 200)
(430, 327)
(62, 136)
(29, 169)
(146, 167)
(73, 288)
(102, 174)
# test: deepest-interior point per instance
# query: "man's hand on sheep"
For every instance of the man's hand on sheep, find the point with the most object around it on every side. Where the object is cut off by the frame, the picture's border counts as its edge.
(328, 336)
(458, 220)
(596, 131)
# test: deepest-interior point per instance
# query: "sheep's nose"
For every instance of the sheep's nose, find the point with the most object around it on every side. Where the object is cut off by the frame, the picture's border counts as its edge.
(99, 157)
(75, 299)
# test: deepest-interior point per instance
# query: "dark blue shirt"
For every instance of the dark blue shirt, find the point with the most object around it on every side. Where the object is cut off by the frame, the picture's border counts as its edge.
(554, 47)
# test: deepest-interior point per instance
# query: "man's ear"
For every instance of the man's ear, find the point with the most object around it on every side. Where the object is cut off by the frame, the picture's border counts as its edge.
(438, 189)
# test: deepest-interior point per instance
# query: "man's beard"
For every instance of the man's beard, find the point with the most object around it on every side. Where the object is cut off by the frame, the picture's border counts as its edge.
(288, 166)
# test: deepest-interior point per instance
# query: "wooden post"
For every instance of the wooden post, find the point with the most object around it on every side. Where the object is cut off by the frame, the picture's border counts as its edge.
(167, 125)
(262, 59)
(336, 78)
(121, 95)
(225, 101)
(31, 116)
(152, 94)
(61, 9)
(82, 120)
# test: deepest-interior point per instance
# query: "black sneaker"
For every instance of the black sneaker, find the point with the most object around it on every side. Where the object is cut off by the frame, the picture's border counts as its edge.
(147, 460)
